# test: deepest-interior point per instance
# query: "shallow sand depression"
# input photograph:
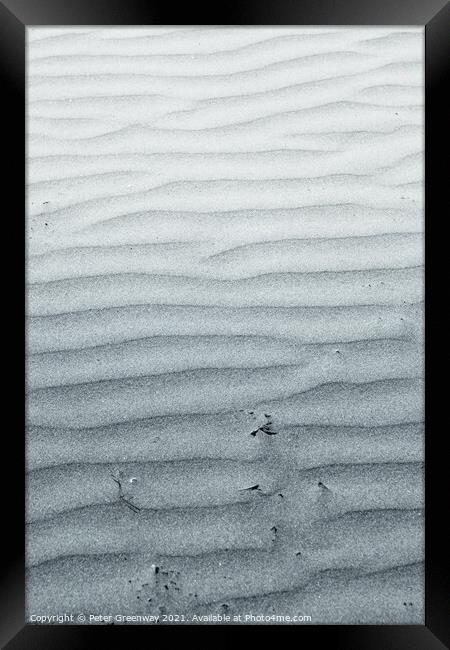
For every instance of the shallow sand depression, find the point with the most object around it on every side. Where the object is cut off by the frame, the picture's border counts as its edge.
(224, 324)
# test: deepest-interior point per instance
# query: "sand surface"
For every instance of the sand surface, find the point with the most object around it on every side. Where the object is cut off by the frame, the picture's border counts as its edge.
(224, 334)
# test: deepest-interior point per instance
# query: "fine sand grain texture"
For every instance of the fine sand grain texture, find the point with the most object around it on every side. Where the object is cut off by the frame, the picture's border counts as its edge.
(224, 323)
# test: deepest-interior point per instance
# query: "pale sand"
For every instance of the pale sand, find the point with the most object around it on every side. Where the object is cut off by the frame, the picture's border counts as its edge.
(225, 268)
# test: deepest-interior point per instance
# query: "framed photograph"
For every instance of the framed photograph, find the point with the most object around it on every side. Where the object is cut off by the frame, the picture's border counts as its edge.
(224, 343)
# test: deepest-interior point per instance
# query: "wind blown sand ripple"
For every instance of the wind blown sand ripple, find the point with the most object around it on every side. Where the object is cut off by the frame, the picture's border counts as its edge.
(225, 322)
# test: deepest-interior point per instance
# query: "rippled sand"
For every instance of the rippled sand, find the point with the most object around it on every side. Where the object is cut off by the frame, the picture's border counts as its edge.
(224, 336)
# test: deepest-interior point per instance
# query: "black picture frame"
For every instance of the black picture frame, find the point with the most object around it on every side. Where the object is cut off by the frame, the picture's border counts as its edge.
(15, 16)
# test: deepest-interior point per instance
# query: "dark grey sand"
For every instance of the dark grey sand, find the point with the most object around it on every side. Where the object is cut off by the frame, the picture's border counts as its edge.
(225, 356)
